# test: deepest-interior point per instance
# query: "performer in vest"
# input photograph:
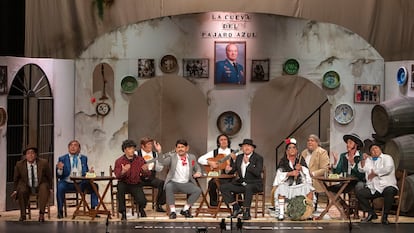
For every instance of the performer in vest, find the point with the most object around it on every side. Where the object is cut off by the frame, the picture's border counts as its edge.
(147, 152)
(223, 148)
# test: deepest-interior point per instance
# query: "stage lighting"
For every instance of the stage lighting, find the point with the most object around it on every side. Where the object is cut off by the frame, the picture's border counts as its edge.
(201, 230)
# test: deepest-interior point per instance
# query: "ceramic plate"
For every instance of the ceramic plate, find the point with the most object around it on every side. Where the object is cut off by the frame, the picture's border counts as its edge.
(344, 114)
(168, 64)
(128, 84)
(402, 76)
(229, 123)
(291, 67)
(331, 80)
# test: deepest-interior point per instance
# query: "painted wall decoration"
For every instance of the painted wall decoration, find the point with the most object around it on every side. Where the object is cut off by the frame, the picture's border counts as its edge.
(230, 62)
(146, 68)
(196, 67)
(168, 64)
(367, 93)
(3, 79)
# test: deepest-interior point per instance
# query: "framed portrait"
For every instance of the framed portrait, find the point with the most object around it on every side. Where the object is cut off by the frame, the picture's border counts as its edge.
(367, 93)
(260, 70)
(230, 62)
(195, 67)
(146, 68)
(3, 79)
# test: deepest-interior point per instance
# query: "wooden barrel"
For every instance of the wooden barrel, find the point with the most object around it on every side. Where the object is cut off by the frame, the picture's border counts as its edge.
(407, 204)
(402, 150)
(394, 117)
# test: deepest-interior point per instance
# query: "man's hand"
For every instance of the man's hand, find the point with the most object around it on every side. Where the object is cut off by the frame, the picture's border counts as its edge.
(197, 174)
(13, 194)
(371, 175)
(60, 165)
(125, 168)
(145, 167)
(157, 146)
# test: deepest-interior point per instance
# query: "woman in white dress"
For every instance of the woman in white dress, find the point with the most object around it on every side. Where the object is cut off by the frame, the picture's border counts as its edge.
(292, 177)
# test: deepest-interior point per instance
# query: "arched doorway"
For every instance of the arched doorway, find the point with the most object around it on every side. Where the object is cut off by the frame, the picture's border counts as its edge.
(289, 105)
(30, 120)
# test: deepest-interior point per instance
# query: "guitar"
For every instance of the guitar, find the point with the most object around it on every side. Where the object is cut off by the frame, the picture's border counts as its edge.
(222, 161)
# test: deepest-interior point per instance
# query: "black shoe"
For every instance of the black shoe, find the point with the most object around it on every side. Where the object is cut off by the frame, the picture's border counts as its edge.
(384, 219)
(369, 218)
(173, 215)
(22, 218)
(186, 214)
(236, 212)
(41, 217)
(213, 203)
(60, 215)
(159, 208)
(142, 213)
(246, 215)
(123, 217)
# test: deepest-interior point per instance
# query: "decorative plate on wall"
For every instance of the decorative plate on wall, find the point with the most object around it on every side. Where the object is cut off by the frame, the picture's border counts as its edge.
(102, 109)
(344, 114)
(3, 116)
(229, 123)
(168, 64)
(291, 67)
(402, 76)
(128, 84)
(331, 80)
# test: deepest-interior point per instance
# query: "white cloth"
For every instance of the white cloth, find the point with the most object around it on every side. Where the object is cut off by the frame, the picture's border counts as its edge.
(244, 165)
(283, 188)
(385, 170)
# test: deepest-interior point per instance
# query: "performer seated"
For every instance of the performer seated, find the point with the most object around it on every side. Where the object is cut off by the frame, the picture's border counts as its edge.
(292, 178)
(210, 161)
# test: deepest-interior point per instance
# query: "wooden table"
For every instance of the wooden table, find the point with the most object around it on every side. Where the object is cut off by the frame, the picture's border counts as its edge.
(334, 198)
(213, 210)
(83, 208)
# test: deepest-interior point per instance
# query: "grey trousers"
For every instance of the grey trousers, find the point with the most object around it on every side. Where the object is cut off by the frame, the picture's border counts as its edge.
(188, 188)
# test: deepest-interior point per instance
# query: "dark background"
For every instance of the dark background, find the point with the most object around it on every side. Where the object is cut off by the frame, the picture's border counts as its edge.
(12, 24)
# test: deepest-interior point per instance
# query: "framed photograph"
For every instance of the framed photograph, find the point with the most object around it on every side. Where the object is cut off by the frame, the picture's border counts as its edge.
(146, 68)
(3, 79)
(367, 93)
(195, 67)
(230, 62)
(412, 76)
(260, 70)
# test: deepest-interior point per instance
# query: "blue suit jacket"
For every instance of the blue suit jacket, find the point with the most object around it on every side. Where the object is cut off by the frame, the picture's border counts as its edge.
(65, 159)
(226, 73)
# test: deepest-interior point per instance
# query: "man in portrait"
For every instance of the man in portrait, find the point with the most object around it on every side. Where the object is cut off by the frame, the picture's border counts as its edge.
(229, 70)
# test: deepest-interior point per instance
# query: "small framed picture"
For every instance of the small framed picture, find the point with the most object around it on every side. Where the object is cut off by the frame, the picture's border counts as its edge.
(3, 79)
(195, 67)
(146, 68)
(367, 93)
(412, 76)
(230, 62)
(260, 70)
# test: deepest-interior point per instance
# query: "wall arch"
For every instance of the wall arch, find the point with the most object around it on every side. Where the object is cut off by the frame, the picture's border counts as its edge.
(280, 107)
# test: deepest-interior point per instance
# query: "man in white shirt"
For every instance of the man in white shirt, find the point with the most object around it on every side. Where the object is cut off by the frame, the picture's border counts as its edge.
(381, 182)
(209, 160)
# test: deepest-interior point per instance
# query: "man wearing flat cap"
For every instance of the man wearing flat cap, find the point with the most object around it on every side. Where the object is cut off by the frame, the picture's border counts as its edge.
(248, 167)
(32, 175)
(379, 172)
(347, 163)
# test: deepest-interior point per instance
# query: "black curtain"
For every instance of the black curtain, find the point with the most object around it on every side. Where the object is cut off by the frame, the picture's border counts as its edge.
(12, 26)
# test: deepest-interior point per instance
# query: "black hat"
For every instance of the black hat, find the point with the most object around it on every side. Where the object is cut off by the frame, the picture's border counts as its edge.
(355, 138)
(30, 147)
(375, 143)
(248, 142)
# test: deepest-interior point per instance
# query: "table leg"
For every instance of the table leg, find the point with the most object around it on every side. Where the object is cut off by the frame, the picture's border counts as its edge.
(83, 202)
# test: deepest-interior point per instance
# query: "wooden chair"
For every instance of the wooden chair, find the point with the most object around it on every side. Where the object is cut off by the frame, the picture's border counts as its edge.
(71, 200)
(150, 194)
(129, 200)
(400, 175)
(259, 198)
(33, 204)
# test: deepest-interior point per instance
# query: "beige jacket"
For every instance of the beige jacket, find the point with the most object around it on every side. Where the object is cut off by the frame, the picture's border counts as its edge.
(319, 163)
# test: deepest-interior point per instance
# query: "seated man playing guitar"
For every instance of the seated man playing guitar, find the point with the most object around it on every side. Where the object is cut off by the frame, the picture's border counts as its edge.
(216, 161)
